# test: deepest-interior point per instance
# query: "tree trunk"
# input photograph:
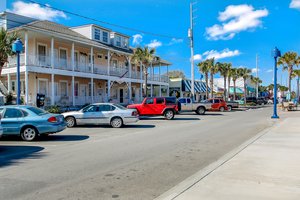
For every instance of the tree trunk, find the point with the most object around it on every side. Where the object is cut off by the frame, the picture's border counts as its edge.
(228, 86)
(234, 91)
(211, 85)
(290, 77)
(298, 89)
(224, 97)
(146, 81)
(206, 82)
(245, 92)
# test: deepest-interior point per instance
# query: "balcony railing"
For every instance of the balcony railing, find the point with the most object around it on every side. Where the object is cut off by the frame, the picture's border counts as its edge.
(66, 64)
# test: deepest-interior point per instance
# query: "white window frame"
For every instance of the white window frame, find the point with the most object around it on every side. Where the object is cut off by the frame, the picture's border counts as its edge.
(41, 44)
(102, 36)
(116, 41)
(47, 85)
(62, 48)
(113, 63)
(76, 82)
(59, 87)
(97, 29)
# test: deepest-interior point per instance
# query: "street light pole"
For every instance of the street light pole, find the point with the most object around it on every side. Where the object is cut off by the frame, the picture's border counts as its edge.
(275, 54)
(17, 48)
(191, 36)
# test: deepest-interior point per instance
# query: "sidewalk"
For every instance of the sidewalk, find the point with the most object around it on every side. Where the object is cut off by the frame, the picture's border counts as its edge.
(266, 167)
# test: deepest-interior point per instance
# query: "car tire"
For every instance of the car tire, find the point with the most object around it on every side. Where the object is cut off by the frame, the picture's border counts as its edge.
(229, 108)
(116, 122)
(169, 114)
(29, 134)
(71, 122)
(222, 109)
(200, 110)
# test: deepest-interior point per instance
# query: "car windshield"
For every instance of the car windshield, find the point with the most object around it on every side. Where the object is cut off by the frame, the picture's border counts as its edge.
(37, 111)
(120, 107)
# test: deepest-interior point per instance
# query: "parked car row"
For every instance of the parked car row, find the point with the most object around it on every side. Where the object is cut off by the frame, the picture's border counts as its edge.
(30, 122)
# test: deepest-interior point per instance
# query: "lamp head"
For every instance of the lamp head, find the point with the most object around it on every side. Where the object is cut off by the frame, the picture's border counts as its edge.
(276, 53)
(17, 46)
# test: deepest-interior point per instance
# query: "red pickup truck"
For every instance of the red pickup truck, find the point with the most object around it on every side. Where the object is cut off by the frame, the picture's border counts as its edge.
(157, 106)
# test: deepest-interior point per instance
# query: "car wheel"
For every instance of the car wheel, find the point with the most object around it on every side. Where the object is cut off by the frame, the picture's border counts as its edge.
(229, 108)
(169, 114)
(71, 122)
(29, 134)
(200, 111)
(116, 122)
(222, 109)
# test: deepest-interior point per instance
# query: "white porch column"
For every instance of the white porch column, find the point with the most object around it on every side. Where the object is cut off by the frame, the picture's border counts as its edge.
(26, 50)
(108, 63)
(73, 90)
(152, 71)
(52, 90)
(129, 93)
(168, 89)
(151, 90)
(52, 52)
(141, 92)
(160, 90)
(8, 82)
(73, 56)
(159, 72)
(92, 89)
(129, 66)
(26, 86)
(141, 71)
(108, 90)
(92, 60)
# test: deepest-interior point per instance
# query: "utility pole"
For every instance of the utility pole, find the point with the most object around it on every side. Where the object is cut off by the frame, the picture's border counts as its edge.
(257, 75)
(191, 36)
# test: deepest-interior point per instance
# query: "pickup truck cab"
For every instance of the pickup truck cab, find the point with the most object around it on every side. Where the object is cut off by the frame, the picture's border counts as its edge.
(216, 104)
(187, 105)
(157, 106)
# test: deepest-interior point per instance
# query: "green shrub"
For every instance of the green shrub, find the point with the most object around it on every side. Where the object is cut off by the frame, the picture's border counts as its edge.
(53, 109)
(251, 104)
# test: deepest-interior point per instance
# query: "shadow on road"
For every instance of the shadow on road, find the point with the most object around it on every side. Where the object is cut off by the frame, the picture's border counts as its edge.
(175, 118)
(12, 155)
(213, 114)
(62, 138)
(139, 126)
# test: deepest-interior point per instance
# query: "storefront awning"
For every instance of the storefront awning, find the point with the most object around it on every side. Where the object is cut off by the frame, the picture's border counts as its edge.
(237, 90)
(200, 87)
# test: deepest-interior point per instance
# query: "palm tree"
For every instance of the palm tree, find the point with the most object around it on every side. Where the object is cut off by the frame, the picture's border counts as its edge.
(245, 74)
(297, 73)
(213, 69)
(6, 41)
(229, 78)
(204, 68)
(224, 69)
(288, 61)
(235, 75)
(256, 81)
(144, 56)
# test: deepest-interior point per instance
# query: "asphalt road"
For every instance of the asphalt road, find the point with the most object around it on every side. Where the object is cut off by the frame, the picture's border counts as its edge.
(140, 161)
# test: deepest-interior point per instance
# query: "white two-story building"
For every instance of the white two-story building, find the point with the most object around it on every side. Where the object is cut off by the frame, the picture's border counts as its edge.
(78, 65)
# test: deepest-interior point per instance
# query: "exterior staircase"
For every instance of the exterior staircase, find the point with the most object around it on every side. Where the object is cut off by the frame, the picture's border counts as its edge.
(3, 89)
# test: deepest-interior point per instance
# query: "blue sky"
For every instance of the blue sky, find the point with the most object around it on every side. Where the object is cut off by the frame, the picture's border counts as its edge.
(234, 31)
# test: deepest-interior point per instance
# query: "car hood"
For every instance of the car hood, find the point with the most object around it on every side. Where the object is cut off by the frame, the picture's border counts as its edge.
(132, 106)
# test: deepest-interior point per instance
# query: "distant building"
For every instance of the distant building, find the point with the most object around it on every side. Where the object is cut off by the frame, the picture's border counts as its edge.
(182, 88)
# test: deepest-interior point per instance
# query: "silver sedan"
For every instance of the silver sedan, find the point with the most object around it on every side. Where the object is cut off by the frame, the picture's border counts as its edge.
(102, 113)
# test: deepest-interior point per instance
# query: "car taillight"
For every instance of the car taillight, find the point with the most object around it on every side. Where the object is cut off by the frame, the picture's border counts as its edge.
(134, 113)
(52, 120)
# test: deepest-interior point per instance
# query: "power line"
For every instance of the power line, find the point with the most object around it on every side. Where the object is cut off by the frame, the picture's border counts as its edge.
(104, 22)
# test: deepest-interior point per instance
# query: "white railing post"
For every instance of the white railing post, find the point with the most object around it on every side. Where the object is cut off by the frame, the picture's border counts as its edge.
(73, 56)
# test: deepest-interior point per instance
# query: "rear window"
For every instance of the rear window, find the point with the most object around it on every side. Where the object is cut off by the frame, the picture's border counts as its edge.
(37, 111)
(182, 100)
(171, 100)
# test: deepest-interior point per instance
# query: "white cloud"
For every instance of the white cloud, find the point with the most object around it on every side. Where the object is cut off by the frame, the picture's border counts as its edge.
(222, 54)
(175, 41)
(137, 39)
(235, 18)
(154, 44)
(254, 70)
(269, 70)
(36, 11)
(197, 57)
(295, 4)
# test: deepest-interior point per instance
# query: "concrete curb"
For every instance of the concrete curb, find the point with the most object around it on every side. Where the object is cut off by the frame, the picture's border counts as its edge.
(179, 189)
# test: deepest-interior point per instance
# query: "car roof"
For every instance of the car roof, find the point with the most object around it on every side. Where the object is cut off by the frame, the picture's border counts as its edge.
(16, 106)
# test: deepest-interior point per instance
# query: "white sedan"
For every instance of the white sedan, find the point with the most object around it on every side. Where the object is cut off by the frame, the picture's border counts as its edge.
(101, 113)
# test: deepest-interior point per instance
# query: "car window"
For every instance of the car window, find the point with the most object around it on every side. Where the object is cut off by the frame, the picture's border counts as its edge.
(90, 108)
(104, 108)
(216, 101)
(160, 100)
(182, 100)
(211, 101)
(12, 113)
(188, 100)
(170, 100)
(37, 111)
(25, 114)
(149, 101)
(118, 106)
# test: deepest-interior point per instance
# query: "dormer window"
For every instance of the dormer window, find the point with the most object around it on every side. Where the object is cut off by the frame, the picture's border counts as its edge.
(118, 41)
(105, 36)
(125, 42)
(97, 34)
